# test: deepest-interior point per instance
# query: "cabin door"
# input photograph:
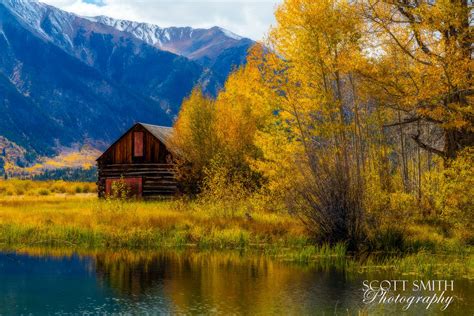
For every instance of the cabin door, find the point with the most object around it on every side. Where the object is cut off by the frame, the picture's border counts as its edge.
(132, 186)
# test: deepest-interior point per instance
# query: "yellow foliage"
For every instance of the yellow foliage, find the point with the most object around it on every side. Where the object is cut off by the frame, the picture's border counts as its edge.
(424, 62)
(451, 191)
(69, 158)
(223, 129)
(330, 96)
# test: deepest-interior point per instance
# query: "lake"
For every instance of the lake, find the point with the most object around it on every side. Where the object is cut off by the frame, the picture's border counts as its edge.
(41, 282)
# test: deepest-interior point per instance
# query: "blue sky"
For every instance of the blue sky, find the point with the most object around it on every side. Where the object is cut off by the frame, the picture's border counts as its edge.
(250, 18)
(96, 2)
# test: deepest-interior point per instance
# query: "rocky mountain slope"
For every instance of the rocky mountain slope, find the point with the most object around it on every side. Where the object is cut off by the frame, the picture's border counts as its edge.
(217, 49)
(66, 79)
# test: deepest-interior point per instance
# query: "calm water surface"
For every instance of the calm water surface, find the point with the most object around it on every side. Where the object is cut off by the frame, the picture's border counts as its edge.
(42, 282)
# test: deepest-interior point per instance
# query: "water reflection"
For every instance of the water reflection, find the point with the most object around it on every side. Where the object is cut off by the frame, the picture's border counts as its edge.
(224, 283)
(43, 281)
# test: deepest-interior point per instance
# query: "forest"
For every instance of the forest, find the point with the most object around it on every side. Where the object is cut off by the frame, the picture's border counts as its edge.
(355, 117)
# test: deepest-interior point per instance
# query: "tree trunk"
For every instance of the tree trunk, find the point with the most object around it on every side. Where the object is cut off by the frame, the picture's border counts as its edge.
(456, 140)
(404, 166)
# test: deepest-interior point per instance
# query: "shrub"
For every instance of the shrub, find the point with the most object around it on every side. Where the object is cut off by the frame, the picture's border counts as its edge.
(120, 190)
(89, 188)
(43, 191)
(450, 192)
(59, 187)
(329, 202)
(224, 187)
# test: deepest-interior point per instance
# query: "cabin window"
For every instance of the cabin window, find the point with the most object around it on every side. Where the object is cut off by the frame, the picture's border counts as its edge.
(138, 144)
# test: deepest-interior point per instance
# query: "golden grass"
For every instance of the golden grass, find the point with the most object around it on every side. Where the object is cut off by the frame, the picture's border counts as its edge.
(83, 220)
(15, 187)
(62, 221)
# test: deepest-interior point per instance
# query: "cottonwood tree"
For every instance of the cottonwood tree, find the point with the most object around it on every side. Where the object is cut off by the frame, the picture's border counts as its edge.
(194, 139)
(422, 66)
(216, 138)
(316, 131)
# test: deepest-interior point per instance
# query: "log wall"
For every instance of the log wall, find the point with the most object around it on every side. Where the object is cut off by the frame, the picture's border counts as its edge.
(158, 179)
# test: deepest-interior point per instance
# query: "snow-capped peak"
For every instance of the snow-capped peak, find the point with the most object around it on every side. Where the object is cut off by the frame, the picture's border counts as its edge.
(149, 33)
(230, 34)
(155, 35)
(60, 27)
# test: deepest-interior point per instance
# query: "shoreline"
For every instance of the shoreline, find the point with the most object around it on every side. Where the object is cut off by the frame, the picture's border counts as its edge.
(82, 223)
(420, 264)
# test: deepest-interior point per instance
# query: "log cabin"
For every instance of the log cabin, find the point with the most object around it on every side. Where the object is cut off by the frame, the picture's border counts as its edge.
(142, 158)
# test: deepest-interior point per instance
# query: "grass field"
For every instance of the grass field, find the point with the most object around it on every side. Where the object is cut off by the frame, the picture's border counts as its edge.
(84, 221)
(16, 187)
(65, 218)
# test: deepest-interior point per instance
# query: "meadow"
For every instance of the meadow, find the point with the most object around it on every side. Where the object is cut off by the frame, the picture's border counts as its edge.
(66, 219)
(17, 187)
(68, 216)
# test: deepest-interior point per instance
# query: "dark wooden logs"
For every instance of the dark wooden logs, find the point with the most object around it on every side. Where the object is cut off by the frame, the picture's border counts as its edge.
(158, 179)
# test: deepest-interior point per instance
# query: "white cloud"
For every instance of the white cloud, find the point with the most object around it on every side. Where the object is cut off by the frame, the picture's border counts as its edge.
(244, 17)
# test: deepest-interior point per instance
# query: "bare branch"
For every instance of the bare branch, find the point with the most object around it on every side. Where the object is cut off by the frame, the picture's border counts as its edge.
(377, 20)
(438, 152)
(406, 121)
(411, 18)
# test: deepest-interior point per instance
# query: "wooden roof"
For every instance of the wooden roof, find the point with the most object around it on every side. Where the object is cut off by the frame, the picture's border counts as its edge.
(163, 133)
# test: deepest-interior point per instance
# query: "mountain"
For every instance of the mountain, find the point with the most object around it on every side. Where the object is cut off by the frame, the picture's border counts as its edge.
(66, 79)
(202, 45)
(216, 48)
